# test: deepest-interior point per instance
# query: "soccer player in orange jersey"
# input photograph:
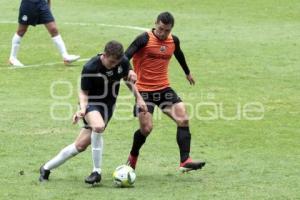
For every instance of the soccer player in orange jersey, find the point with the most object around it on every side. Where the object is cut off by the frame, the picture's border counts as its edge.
(151, 53)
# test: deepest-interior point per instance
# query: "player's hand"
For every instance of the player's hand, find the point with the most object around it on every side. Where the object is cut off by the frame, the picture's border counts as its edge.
(131, 76)
(141, 104)
(77, 116)
(190, 79)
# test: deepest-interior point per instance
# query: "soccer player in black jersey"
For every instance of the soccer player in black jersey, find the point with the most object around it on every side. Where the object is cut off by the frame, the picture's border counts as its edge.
(100, 82)
(33, 12)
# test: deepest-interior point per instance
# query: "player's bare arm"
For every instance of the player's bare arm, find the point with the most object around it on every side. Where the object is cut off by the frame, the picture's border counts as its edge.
(83, 102)
(131, 76)
(139, 100)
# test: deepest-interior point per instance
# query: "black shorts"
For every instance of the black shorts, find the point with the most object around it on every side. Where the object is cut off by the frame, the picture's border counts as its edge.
(33, 13)
(161, 98)
(105, 110)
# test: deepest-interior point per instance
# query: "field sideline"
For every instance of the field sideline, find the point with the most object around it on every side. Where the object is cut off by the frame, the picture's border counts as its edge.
(244, 108)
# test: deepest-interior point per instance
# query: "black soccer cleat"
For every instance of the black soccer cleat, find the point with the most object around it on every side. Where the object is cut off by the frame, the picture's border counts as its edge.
(190, 165)
(44, 174)
(95, 177)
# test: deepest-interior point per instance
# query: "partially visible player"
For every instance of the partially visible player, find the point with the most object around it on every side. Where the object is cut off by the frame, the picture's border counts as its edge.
(33, 12)
(100, 82)
(151, 52)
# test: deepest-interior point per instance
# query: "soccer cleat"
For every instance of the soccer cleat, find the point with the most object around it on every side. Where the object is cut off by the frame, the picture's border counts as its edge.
(131, 161)
(68, 59)
(44, 174)
(15, 62)
(95, 177)
(189, 165)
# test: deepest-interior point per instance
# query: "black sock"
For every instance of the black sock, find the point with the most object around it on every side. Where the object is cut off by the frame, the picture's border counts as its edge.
(184, 142)
(138, 141)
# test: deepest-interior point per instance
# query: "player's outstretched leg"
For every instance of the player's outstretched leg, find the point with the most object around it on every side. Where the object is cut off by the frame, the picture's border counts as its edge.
(58, 160)
(178, 113)
(184, 141)
(81, 143)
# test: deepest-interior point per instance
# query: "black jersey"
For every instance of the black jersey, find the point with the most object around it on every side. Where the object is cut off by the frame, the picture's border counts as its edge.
(101, 83)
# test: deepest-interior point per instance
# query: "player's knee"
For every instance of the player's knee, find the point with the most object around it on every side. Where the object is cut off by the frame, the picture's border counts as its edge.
(146, 130)
(53, 31)
(182, 122)
(98, 129)
(21, 32)
(81, 146)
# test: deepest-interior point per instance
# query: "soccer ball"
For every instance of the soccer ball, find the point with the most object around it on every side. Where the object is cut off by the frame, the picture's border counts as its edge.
(124, 176)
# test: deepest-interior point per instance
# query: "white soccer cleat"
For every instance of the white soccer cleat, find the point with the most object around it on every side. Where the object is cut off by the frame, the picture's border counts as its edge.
(15, 62)
(68, 59)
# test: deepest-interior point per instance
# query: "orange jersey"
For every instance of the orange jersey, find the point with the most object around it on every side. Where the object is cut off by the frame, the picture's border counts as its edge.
(151, 58)
(151, 63)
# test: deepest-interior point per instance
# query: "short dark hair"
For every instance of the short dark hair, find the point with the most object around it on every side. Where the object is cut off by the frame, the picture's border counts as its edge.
(115, 49)
(166, 18)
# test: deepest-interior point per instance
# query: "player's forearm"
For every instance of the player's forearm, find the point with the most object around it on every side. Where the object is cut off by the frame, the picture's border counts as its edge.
(49, 3)
(134, 90)
(138, 98)
(83, 100)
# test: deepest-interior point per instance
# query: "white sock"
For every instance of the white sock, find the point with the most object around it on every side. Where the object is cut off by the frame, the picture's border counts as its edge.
(15, 45)
(61, 157)
(97, 151)
(59, 43)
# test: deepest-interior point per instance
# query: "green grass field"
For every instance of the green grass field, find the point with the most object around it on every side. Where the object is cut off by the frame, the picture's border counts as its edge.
(240, 52)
